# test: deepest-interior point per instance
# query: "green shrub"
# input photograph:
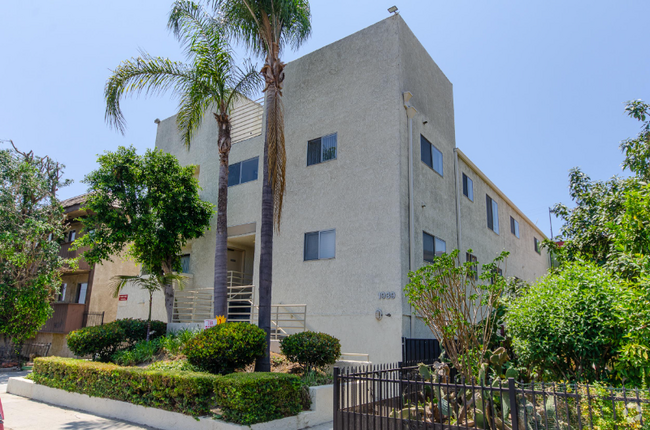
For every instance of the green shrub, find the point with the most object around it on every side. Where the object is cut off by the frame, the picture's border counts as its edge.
(101, 342)
(186, 392)
(173, 343)
(310, 349)
(178, 365)
(570, 324)
(248, 398)
(226, 347)
(141, 352)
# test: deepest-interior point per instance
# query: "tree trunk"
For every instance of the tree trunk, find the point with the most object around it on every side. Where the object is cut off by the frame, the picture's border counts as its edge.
(263, 364)
(221, 248)
(169, 301)
(149, 319)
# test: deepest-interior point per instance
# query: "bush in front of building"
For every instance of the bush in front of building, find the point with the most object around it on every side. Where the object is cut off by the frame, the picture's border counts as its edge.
(249, 398)
(311, 349)
(226, 347)
(101, 342)
(190, 393)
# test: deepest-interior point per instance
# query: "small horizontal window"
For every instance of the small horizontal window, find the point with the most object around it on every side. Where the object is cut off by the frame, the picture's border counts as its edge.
(244, 171)
(320, 245)
(321, 149)
(430, 155)
(514, 227)
(432, 247)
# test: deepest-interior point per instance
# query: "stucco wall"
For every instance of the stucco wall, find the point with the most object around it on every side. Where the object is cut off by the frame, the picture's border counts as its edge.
(101, 298)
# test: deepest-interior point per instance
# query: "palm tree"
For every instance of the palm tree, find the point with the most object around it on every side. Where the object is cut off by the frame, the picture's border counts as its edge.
(151, 283)
(210, 80)
(265, 27)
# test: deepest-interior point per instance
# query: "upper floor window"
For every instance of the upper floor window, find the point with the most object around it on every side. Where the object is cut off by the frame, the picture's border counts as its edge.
(321, 149)
(472, 259)
(320, 245)
(72, 235)
(82, 290)
(432, 246)
(61, 297)
(244, 171)
(492, 214)
(468, 187)
(514, 227)
(538, 248)
(430, 155)
(185, 263)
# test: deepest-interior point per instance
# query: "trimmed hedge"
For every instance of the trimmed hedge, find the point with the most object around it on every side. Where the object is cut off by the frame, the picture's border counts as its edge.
(249, 398)
(310, 349)
(226, 347)
(190, 393)
(100, 342)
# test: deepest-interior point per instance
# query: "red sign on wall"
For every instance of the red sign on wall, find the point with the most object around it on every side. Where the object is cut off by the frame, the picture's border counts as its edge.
(123, 297)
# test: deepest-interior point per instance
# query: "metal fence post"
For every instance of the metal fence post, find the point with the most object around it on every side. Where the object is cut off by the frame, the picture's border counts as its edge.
(513, 403)
(335, 401)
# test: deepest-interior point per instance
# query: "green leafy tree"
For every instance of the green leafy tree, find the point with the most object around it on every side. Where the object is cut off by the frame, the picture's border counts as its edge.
(266, 27)
(210, 82)
(30, 215)
(149, 203)
(151, 283)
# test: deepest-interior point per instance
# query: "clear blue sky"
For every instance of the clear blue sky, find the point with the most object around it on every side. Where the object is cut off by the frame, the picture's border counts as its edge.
(539, 86)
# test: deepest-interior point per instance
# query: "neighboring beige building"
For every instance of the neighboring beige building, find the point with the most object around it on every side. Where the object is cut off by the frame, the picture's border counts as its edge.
(372, 190)
(86, 296)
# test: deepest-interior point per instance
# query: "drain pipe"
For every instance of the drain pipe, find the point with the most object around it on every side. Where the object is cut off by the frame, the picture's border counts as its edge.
(458, 187)
(410, 113)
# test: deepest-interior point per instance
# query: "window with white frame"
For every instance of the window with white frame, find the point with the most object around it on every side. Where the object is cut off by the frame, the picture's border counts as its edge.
(82, 290)
(492, 214)
(468, 187)
(430, 155)
(320, 245)
(321, 149)
(432, 246)
(514, 227)
(244, 171)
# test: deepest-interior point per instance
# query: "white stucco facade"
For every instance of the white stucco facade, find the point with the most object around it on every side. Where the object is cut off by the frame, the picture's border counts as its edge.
(354, 88)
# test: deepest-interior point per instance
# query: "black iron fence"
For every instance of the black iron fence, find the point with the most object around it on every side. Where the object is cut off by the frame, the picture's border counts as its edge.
(416, 351)
(93, 318)
(10, 353)
(396, 397)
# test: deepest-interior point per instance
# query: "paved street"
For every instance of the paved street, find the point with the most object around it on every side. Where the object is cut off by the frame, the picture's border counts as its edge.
(25, 414)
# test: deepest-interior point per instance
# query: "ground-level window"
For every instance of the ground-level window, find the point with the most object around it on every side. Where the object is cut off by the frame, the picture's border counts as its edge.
(514, 227)
(321, 149)
(185, 263)
(320, 245)
(492, 214)
(470, 258)
(468, 187)
(432, 246)
(244, 171)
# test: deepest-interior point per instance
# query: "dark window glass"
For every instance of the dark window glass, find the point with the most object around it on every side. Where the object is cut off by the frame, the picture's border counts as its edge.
(321, 149)
(233, 174)
(428, 247)
(472, 259)
(537, 247)
(185, 263)
(468, 187)
(311, 246)
(249, 170)
(425, 152)
(492, 214)
(488, 205)
(514, 227)
(313, 151)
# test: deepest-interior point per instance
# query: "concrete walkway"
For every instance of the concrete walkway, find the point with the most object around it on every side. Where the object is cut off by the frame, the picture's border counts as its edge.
(26, 414)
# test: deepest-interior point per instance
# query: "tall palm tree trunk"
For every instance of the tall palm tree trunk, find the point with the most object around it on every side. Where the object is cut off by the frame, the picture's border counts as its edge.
(168, 290)
(221, 248)
(149, 318)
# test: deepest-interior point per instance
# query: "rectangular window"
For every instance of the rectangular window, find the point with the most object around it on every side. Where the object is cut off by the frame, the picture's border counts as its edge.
(321, 149)
(244, 171)
(64, 286)
(432, 247)
(468, 187)
(320, 245)
(492, 214)
(72, 235)
(472, 259)
(81, 293)
(514, 227)
(538, 248)
(430, 155)
(185, 263)
(497, 272)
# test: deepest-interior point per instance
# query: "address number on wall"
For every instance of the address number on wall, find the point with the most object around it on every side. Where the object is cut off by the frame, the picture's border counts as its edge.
(387, 295)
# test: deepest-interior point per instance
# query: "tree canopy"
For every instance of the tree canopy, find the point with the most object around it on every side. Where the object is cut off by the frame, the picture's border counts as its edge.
(31, 223)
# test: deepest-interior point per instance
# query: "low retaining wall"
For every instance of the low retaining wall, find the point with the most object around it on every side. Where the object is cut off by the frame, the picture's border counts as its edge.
(321, 409)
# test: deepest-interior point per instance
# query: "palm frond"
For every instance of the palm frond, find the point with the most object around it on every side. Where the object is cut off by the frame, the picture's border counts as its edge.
(151, 75)
(150, 283)
(245, 82)
(194, 104)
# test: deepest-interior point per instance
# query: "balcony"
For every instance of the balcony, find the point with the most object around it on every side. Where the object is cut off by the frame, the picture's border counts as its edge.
(66, 318)
(66, 252)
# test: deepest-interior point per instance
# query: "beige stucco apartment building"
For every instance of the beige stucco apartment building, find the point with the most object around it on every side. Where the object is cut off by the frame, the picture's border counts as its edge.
(373, 188)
